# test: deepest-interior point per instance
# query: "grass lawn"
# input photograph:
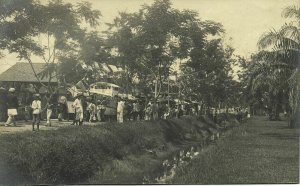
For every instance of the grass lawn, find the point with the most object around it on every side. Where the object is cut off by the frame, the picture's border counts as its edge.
(259, 151)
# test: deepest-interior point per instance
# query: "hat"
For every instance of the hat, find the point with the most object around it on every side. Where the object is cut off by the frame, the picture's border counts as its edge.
(79, 94)
(11, 89)
(2, 89)
(37, 95)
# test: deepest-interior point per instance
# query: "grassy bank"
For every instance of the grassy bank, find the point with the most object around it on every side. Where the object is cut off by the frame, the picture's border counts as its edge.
(260, 151)
(110, 153)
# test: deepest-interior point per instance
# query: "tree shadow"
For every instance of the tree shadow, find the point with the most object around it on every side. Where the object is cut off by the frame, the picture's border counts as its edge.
(294, 135)
(285, 127)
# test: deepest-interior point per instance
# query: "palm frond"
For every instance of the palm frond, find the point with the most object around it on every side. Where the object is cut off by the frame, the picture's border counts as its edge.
(291, 31)
(268, 39)
(288, 56)
(288, 37)
(291, 11)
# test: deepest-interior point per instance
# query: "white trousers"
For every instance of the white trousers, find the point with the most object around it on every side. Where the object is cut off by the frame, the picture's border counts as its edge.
(120, 116)
(49, 113)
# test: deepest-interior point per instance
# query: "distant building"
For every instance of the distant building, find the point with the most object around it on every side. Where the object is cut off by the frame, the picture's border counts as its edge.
(22, 78)
(21, 75)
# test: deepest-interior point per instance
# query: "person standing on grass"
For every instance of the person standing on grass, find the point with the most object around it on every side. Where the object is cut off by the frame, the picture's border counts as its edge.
(12, 106)
(136, 111)
(77, 104)
(27, 110)
(36, 111)
(120, 111)
(100, 110)
(49, 107)
(59, 111)
(64, 107)
(85, 105)
(167, 112)
(92, 111)
(148, 111)
(154, 110)
(127, 110)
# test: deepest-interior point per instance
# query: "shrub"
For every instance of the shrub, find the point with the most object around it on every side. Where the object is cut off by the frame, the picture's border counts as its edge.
(74, 154)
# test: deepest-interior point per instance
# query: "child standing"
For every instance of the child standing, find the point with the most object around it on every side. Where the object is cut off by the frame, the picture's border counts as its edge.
(36, 110)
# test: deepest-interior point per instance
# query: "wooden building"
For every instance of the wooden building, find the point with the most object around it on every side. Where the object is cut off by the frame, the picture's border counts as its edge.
(22, 78)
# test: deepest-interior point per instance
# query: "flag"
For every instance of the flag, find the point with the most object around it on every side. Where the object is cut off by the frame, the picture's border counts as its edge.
(83, 85)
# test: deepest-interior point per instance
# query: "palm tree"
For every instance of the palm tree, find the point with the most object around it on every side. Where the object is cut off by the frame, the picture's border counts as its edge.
(285, 52)
(267, 85)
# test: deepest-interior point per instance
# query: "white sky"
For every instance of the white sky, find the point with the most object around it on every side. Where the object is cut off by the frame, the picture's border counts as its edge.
(244, 20)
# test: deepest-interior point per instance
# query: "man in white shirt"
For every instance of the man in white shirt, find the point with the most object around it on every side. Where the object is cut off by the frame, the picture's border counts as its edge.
(77, 104)
(120, 111)
(36, 110)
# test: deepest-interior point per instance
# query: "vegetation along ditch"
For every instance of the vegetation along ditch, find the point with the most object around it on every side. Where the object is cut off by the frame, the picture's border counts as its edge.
(139, 152)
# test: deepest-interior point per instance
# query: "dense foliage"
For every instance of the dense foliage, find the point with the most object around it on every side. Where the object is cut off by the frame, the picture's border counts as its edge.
(151, 42)
(273, 73)
(26, 24)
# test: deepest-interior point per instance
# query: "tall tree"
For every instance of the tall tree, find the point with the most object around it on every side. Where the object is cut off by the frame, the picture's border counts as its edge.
(267, 84)
(210, 70)
(150, 41)
(284, 57)
(58, 24)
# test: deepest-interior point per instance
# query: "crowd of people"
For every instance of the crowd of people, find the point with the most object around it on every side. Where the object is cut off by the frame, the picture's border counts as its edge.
(136, 110)
(10, 103)
(89, 109)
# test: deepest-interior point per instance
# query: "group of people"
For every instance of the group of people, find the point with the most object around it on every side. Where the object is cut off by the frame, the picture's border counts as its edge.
(87, 109)
(12, 105)
(128, 110)
(83, 107)
(91, 110)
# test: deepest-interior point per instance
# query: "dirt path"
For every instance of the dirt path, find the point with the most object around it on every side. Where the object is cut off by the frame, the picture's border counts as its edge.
(260, 151)
(26, 126)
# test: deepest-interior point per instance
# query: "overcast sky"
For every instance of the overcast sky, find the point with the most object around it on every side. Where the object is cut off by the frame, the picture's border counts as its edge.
(244, 20)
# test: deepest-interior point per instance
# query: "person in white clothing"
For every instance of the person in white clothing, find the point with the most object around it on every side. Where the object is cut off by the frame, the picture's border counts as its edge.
(36, 110)
(49, 107)
(92, 111)
(12, 107)
(77, 104)
(120, 111)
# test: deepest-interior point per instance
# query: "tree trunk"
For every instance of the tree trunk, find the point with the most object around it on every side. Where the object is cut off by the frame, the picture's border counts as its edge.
(274, 112)
(294, 121)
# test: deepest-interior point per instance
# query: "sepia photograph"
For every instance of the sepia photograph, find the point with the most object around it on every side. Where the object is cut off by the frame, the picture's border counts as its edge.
(177, 92)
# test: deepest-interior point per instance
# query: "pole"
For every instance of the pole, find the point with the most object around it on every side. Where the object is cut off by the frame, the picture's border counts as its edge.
(168, 91)
(155, 88)
(156, 81)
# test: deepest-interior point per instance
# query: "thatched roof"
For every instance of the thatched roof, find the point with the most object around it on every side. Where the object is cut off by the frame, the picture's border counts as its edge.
(22, 72)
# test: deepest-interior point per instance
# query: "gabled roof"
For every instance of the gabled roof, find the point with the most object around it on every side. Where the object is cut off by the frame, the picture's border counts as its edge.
(22, 72)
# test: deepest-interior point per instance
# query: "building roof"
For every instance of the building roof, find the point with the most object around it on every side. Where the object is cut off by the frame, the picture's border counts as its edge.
(106, 84)
(22, 72)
